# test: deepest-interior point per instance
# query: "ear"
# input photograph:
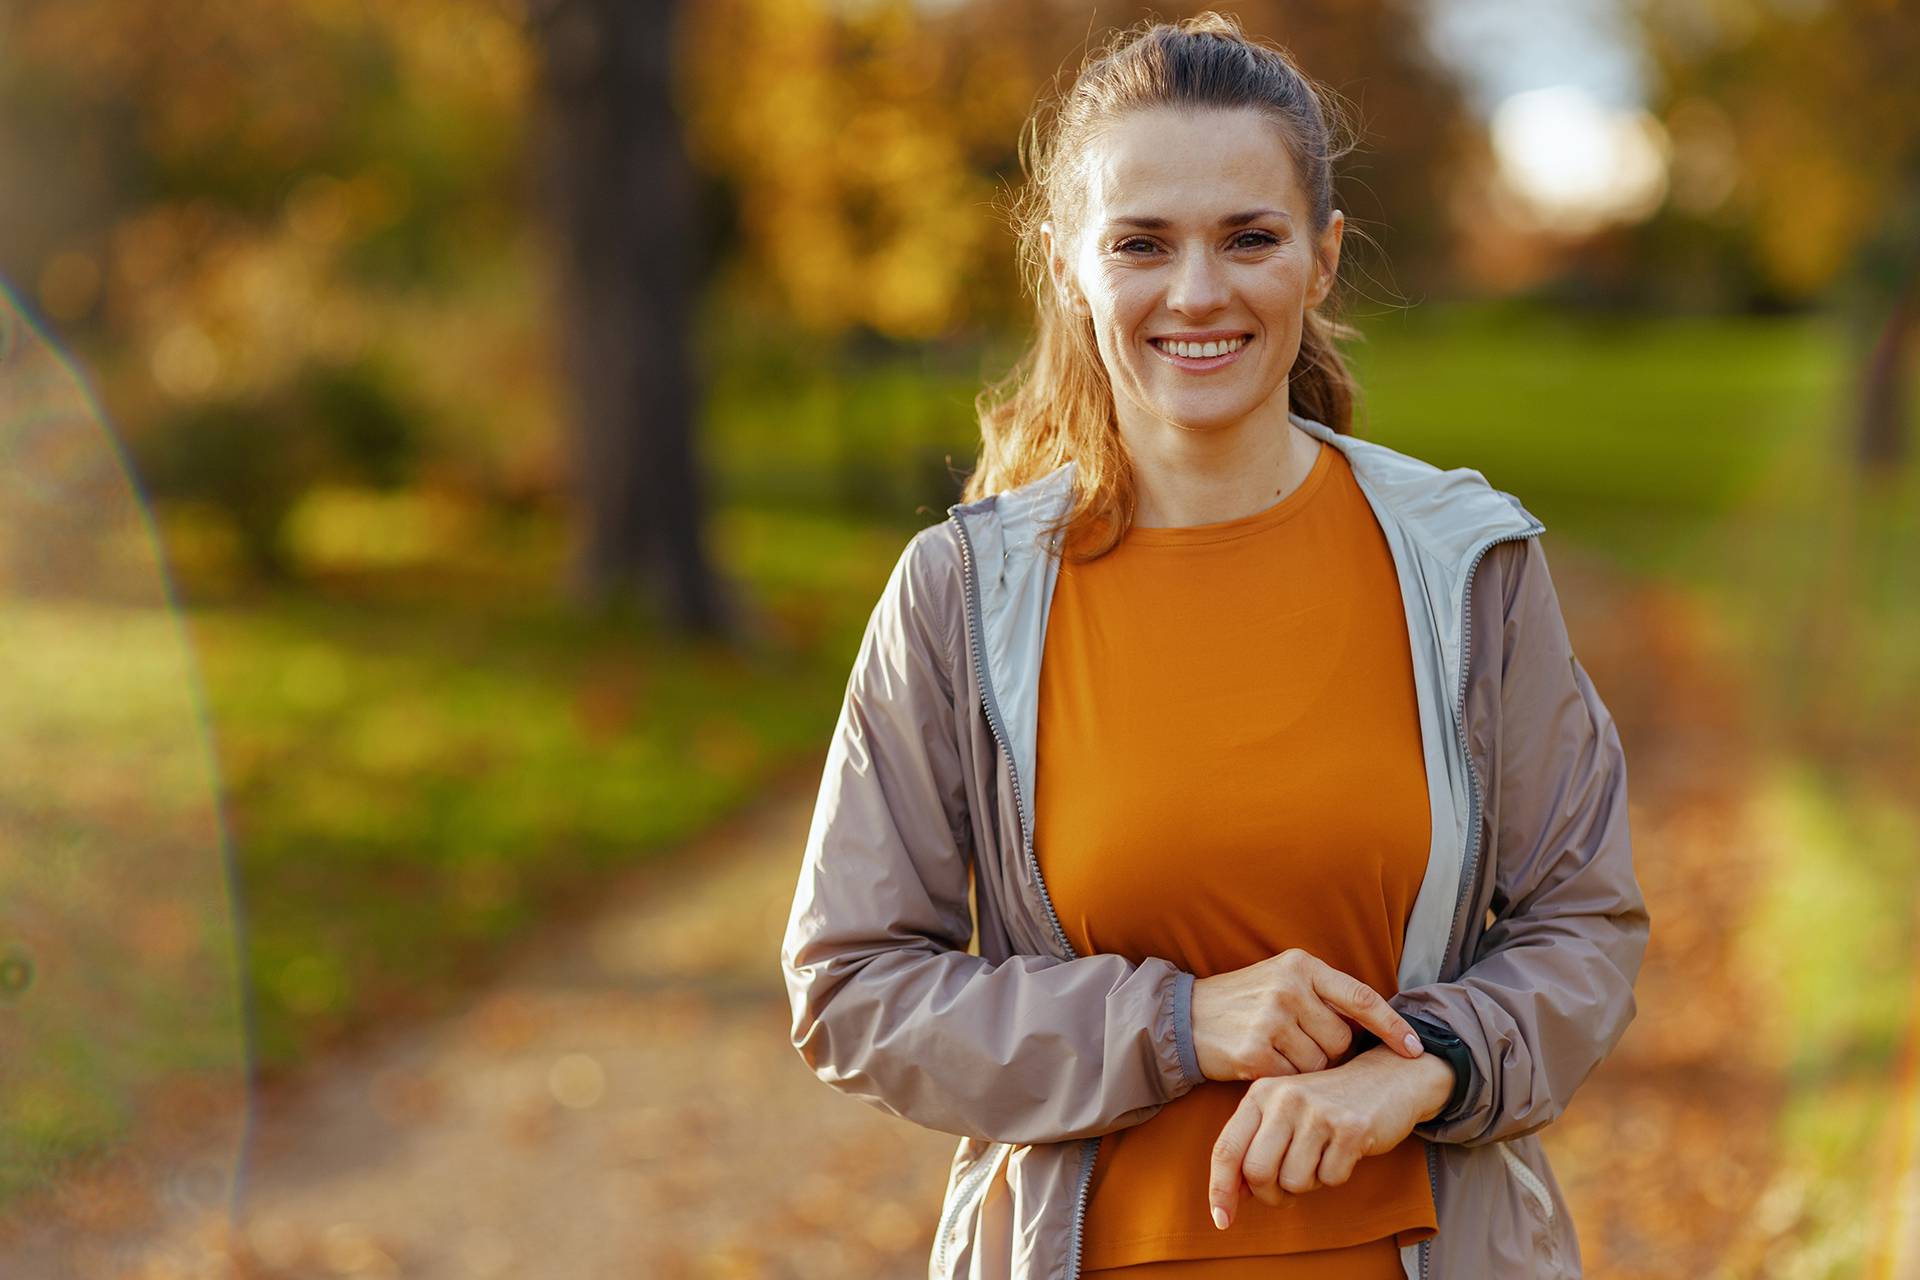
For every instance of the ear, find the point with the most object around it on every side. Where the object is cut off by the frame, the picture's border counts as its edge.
(1061, 273)
(1326, 260)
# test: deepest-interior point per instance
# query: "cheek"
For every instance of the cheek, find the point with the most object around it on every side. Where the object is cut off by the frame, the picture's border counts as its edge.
(1126, 306)
(1279, 280)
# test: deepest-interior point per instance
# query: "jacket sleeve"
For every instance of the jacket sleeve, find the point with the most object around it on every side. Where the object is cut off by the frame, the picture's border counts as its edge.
(1550, 991)
(888, 1004)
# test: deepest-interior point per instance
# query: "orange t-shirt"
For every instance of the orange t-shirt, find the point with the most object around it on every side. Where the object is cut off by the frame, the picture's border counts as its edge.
(1228, 765)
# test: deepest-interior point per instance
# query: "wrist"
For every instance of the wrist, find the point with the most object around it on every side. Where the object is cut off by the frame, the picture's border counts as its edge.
(1430, 1079)
(1441, 1042)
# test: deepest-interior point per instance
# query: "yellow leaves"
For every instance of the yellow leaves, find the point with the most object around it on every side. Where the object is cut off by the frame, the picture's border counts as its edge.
(343, 527)
(219, 306)
(1808, 194)
(184, 361)
(240, 314)
(1812, 103)
(846, 135)
(317, 210)
(473, 57)
(1816, 210)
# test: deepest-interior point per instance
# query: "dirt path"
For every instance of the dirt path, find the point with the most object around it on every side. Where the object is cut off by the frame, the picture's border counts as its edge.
(1667, 1151)
(625, 1103)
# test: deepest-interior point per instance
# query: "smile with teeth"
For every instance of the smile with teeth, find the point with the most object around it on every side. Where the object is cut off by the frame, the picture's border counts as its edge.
(1200, 350)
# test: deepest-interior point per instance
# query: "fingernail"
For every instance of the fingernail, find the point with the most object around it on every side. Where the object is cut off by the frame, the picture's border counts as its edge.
(1219, 1217)
(1413, 1043)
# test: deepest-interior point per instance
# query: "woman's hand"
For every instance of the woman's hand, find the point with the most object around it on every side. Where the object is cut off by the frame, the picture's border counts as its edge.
(1296, 1133)
(1283, 1016)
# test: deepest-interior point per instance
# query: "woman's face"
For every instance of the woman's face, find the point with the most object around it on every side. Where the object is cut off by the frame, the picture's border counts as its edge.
(1195, 231)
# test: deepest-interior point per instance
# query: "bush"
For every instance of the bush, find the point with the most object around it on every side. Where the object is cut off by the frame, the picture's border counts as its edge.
(254, 459)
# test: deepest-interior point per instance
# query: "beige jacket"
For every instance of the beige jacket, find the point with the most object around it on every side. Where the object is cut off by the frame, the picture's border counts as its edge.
(1525, 938)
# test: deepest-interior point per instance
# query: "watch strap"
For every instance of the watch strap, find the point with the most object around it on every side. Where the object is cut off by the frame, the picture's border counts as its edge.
(1438, 1038)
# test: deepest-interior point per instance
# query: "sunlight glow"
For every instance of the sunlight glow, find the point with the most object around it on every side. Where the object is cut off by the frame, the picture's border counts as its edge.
(1572, 164)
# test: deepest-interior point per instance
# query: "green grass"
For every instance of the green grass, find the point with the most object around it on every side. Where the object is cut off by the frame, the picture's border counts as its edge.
(1832, 931)
(416, 762)
(1832, 938)
(1636, 438)
(415, 768)
(872, 441)
(115, 915)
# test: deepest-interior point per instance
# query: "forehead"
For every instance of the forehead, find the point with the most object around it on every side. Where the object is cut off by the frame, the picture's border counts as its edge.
(1190, 165)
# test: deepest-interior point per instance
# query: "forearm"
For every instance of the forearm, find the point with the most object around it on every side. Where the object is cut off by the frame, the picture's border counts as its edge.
(1029, 1050)
(1536, 1017)
(888, 1003)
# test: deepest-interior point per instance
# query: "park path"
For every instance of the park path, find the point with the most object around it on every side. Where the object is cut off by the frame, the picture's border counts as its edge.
(625, 1103)
(622, 1103)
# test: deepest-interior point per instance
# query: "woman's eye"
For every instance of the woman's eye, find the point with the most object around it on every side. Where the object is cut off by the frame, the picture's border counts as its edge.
(1245, 240)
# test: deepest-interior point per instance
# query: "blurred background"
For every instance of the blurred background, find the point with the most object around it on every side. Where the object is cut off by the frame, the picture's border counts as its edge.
(452, 447)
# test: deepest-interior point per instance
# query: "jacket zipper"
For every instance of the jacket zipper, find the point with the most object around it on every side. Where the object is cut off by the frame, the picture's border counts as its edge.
(1466, 874)
(1473, 800)
(989, 1160)
(1092, 1146)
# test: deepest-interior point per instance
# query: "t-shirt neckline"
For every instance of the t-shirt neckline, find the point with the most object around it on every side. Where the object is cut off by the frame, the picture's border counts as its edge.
(1240, 526)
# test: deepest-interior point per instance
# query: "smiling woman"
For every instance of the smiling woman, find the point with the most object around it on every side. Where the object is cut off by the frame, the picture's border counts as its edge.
(1296, 912)
(1196, 252)
(1183, 249)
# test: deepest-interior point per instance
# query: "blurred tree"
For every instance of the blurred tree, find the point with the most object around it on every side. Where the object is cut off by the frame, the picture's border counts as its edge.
(212, 199)
(1797, 133)
(248, 218)
(620, 192)
(1886, 283)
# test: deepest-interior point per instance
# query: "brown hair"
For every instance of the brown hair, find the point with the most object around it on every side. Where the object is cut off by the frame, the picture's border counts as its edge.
(1057, 403)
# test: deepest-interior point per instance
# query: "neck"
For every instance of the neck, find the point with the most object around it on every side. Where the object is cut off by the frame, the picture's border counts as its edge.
(1189, 477)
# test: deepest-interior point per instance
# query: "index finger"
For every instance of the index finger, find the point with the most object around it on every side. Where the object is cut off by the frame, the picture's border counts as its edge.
(1366, 1006)
(1229, 1149)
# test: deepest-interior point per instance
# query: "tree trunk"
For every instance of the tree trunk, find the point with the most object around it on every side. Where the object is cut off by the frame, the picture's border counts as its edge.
(1887, 381)
(619, 193)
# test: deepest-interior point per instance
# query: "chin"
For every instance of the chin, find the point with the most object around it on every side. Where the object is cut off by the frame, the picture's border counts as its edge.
(1198, 411)
(1205, 419)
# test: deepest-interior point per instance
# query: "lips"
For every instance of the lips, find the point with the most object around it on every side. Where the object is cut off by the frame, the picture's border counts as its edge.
(1200, 364)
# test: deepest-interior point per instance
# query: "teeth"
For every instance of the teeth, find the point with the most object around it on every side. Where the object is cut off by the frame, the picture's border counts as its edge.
(1200, 350)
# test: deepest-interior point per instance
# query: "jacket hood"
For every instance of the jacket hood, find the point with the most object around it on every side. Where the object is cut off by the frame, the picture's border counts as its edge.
(1446, 511)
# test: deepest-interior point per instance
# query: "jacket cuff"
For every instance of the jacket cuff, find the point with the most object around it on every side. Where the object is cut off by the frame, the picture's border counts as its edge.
(1440, 1038)
(1183, 1028)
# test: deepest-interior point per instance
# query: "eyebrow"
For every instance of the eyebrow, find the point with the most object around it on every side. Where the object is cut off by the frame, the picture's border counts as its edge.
(1230, 220)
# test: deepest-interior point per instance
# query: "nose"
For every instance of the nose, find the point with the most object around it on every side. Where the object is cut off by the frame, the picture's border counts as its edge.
(1198, 286)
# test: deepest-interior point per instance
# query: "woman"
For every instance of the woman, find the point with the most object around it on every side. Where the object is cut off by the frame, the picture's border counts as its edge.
(1244, 749)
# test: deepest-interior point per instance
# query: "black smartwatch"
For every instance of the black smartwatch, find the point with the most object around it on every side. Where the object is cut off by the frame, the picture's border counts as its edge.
(1435, 1038)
